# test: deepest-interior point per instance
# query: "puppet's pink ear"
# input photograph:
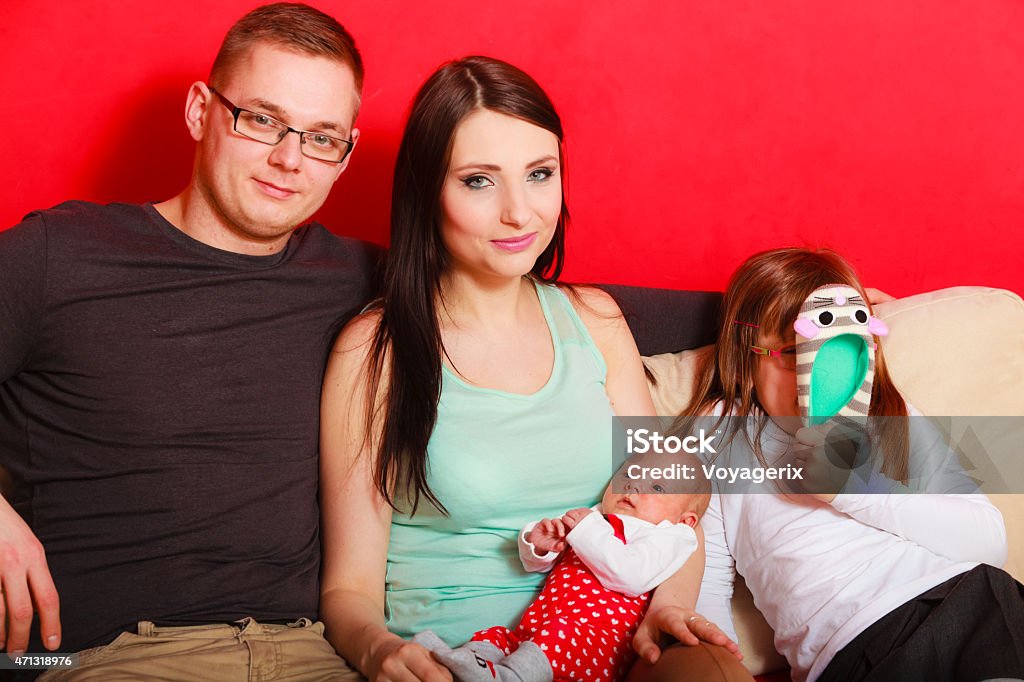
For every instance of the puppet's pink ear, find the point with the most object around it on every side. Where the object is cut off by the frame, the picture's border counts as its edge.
(877, 327)
(806, 328)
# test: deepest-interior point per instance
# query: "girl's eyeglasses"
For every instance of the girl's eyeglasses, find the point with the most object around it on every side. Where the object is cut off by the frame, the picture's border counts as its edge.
(785, 357)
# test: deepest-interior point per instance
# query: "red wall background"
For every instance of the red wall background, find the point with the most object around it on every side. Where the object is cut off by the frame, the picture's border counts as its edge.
(698, 132)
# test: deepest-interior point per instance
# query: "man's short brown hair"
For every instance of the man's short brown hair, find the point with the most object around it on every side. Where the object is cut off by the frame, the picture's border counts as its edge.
(293, 26)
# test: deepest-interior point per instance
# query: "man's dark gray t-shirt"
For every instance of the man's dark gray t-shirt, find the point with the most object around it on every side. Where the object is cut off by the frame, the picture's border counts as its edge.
(159, 411)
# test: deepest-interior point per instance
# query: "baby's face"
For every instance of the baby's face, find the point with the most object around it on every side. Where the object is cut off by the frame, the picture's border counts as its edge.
(653, 507)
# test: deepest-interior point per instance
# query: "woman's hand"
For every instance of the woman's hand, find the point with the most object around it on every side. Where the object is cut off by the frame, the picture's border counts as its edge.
(686, 625)
(397, 660)
(548, 536)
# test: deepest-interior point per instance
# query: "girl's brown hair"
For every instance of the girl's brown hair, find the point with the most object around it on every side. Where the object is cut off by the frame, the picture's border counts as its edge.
(767, 291)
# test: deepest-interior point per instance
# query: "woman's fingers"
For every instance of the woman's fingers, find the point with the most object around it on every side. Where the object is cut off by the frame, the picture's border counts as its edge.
(410, 662)
(709, 632)
(687, 626)
(645, 646)
(429, 670)
(670, 620)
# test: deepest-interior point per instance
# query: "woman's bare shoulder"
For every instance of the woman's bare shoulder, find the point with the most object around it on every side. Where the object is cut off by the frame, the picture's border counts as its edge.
(591, 301)
(600, 314)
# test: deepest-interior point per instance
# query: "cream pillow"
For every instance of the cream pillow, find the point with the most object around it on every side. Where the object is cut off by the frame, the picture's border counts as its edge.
(675, 374)
(958, 351)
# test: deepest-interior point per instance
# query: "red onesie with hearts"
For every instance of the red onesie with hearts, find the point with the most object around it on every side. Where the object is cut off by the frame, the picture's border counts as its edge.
(596, 595)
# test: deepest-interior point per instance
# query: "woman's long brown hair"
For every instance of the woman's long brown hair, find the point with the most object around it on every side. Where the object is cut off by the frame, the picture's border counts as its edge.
(402, 408)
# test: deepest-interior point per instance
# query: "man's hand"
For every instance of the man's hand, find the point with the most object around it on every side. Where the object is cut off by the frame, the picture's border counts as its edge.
(686, 625)
(548, 536)
(25, 586)
(574, 516)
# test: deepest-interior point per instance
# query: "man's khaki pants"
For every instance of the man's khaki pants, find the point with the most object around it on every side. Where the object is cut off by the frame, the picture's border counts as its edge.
(247, 652)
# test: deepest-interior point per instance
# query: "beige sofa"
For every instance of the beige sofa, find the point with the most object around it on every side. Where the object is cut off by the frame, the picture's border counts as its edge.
(957, 351)
(953, 352)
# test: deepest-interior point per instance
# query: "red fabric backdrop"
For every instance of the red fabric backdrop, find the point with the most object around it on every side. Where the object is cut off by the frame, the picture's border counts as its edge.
(698, 132)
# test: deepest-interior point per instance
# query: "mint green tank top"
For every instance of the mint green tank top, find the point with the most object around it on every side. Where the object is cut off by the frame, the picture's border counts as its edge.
(496, 461)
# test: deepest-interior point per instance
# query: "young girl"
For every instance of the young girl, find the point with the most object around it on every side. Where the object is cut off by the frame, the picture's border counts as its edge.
(888, 585)
(478, 394)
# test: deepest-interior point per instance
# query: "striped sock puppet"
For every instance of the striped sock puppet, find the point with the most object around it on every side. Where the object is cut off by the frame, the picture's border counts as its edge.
(835, 354)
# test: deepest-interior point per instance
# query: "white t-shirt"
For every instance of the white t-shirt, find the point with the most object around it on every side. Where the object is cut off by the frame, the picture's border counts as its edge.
(822, 573)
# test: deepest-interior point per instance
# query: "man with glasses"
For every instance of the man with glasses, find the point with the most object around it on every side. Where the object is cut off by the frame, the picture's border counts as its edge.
(160, 371)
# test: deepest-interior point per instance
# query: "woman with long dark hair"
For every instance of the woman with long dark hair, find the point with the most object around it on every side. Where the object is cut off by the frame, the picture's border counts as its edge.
(477, 394)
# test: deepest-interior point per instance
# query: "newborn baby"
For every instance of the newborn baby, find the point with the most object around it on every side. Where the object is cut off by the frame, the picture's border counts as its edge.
(606, 561)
